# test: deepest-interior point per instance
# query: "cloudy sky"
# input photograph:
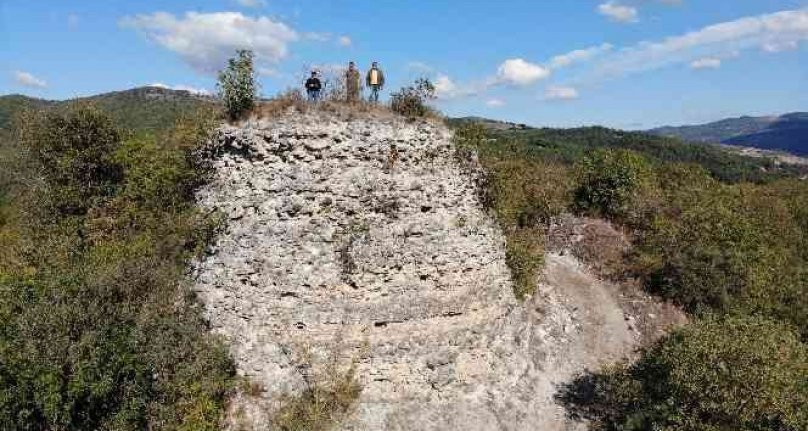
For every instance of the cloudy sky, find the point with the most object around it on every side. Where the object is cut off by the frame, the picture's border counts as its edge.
(621, 63)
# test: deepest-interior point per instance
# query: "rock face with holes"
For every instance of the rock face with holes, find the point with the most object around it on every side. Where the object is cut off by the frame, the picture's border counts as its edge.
(363, 242)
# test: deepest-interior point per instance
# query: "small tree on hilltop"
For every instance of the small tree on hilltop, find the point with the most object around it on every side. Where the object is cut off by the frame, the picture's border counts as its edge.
(412, 101)
(237, 85)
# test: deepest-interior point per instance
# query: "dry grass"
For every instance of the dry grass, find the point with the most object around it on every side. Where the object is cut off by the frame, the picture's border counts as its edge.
(294, 101)
(325, 403)
(290, 100)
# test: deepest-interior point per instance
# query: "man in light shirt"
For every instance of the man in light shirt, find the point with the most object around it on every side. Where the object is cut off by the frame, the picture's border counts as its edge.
(375, 81)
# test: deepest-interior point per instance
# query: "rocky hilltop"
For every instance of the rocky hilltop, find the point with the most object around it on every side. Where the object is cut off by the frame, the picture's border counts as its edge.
(362, 243)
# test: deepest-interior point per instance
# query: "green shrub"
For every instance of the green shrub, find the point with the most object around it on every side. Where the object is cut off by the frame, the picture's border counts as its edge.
(237, 86)
(412, 101)
(613, 183)
(524, 255)
(733, 373)
(74, 151)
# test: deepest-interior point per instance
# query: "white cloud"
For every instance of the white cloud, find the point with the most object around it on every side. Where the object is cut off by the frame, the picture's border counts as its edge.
(786, 28)
(558, 92)
(495, 103)
(579, 55)
(517, 71)
(706, 63)
(445, 88)
(29, 80)
(618, 12)
(207, 40)
(345, 41)
(775, 46)
(192, 90)
(252, 3)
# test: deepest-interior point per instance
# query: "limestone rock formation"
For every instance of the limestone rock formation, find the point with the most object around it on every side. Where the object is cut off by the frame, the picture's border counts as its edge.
(363, 242)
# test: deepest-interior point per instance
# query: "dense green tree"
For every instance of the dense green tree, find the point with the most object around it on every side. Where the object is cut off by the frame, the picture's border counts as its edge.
(238, 88)
(74, 152)
(613, 183)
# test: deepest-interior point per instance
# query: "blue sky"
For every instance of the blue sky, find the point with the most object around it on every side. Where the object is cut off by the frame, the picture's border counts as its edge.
(620, 63)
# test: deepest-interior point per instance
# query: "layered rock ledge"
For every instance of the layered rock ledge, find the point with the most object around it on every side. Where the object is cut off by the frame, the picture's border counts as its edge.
(363, 242)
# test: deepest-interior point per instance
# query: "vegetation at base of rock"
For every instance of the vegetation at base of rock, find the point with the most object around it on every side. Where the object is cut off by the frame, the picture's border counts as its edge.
(732, 373)
(324, 404)
(524, 255)
(525, 193)
(412, 101)
(732, 252)
(238, 88)
(98, 329)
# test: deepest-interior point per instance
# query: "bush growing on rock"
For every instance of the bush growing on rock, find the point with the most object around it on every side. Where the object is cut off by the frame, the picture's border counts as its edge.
(322, 405)
(237, 86)
(412, 101)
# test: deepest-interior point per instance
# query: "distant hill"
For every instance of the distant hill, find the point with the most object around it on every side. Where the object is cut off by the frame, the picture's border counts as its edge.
(11, 105)
(568, 145)
(140, 109)
(488, 123)
(786, 132)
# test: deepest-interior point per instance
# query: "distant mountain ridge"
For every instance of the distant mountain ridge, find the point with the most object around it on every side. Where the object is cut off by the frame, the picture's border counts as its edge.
(787, 132)
(142, 108)
(489, 123)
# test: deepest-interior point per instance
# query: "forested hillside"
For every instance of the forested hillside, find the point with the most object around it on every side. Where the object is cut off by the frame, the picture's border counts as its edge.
(568, 145)
(144, 108)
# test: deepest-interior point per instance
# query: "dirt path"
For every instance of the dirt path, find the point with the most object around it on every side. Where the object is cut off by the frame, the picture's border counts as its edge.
(600, 332)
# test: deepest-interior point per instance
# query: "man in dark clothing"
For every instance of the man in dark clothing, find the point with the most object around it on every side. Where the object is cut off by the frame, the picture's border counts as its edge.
(375, 81)
(313, 87)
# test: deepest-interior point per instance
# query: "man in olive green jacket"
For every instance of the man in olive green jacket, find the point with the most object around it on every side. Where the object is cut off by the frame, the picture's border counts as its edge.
(352, 83)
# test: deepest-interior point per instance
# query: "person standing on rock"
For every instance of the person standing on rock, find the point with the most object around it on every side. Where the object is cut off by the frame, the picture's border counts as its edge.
(375, 81)
(313, 87)
(352, 83)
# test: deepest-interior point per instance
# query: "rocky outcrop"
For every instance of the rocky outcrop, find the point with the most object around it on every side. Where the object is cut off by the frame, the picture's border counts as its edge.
(363, 242)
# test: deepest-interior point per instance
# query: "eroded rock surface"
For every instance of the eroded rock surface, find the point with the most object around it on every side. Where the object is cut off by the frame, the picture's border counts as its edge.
(364, 242)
